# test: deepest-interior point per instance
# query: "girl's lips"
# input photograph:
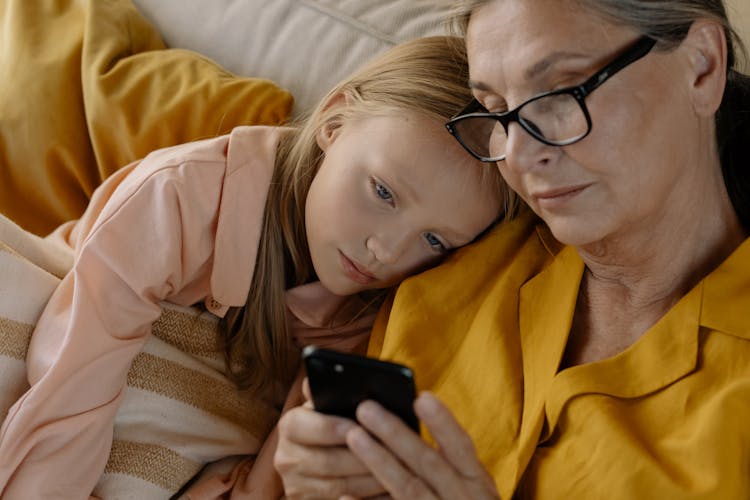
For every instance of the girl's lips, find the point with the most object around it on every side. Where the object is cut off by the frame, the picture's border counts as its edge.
(354, 272)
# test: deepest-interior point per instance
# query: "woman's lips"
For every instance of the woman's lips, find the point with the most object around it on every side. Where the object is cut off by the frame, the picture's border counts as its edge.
(355, 272)
(555, 197)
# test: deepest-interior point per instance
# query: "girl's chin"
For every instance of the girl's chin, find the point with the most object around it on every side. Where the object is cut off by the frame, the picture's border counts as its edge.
(341, 287)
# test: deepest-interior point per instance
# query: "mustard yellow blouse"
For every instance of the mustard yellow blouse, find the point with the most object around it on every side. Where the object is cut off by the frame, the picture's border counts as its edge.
(666, 418)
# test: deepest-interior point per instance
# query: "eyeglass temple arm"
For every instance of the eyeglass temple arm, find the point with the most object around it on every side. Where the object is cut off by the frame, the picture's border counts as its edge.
(642, 47)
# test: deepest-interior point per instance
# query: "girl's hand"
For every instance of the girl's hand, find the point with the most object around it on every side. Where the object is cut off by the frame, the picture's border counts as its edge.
(411, 469)
(313, 460)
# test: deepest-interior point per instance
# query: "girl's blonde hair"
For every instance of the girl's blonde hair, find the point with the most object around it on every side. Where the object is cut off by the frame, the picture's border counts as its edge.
(427, 76)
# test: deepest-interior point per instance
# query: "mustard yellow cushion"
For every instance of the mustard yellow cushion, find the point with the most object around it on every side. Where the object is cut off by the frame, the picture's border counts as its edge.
(89, 86)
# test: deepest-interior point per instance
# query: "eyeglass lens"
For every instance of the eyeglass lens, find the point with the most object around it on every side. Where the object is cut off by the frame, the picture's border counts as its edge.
(554, 118)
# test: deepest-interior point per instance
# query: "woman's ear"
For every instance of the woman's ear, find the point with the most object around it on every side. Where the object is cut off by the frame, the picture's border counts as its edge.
(330, 129)
(707, 54)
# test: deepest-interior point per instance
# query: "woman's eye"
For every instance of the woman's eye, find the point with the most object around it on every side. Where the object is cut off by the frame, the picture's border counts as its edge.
(383, 192)
(435, 242)
(496, 106)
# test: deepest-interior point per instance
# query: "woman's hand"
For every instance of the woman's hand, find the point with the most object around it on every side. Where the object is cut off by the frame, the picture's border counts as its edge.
(411, 469)
(313, 460)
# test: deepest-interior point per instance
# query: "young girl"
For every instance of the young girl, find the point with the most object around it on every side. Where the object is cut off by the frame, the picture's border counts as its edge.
(258, 225)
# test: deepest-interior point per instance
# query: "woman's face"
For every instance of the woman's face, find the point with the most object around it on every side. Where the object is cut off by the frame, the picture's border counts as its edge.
(393, 194)
(638, 153)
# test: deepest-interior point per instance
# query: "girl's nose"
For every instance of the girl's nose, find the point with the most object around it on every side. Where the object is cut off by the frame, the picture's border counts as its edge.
(388, 248)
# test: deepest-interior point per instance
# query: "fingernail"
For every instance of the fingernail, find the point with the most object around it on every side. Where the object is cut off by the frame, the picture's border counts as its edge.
(427, 403)
(358, 440)
(368, 410)
(343, 427)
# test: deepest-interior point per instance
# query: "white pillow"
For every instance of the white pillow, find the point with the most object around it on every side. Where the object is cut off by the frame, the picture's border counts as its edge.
(306, 46)
(739, 15)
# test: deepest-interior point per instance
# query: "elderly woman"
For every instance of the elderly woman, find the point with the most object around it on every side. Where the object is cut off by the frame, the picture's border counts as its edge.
(599, 347)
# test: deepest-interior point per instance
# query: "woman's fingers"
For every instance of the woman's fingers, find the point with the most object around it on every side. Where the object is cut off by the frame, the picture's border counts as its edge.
(311, 443)
(306, 389)
(314, 462)
(354, 487)
(455, 444)
(396, 478)
(377, 497)
(306, 426)
(425, 470)
(317, 461)
(410, 468)
(325, 473)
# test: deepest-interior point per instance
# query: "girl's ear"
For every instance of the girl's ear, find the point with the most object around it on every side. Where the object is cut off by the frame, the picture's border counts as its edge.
(330, 129)
(707, 52)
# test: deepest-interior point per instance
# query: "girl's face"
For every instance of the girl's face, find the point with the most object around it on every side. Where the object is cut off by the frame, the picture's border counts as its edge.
(392, 195)
(640, 154)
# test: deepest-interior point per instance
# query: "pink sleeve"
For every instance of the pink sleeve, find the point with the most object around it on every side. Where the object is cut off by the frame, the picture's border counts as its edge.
(152, 238)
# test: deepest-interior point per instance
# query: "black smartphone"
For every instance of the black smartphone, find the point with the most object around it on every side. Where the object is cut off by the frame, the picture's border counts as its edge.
(340, 381)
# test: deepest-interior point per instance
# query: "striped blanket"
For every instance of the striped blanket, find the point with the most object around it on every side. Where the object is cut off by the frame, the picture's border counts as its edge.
(179, 412)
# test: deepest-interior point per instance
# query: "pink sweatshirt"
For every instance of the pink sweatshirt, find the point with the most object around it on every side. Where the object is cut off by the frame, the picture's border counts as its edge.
(182, 225)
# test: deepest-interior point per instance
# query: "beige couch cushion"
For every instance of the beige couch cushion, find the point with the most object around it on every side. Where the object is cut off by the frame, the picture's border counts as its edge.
(739, 14)
(306, 46)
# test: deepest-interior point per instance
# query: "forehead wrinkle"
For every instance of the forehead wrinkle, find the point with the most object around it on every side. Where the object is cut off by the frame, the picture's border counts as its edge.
(549, 62)
(523, 16)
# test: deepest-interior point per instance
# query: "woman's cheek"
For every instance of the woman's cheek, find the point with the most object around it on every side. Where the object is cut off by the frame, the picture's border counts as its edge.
(513, 181)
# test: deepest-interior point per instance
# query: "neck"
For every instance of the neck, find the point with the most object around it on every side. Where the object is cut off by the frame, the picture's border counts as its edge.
(653, 263)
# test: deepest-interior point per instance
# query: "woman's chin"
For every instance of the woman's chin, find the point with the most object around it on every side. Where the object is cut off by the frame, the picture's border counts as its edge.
(574, 231)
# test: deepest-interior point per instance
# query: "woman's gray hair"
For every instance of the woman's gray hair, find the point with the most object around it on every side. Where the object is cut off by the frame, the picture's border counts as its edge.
(667, 21)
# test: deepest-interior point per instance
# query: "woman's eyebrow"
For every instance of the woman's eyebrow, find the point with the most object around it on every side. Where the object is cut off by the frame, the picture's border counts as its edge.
(550, 61)
(478, 86)
(536, 70)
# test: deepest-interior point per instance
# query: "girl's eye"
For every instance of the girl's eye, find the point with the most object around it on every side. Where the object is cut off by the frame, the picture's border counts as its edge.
(435, 242)
(383, 192)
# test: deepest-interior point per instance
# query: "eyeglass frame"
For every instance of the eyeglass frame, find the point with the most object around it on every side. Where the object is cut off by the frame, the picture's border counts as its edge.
(634, 52)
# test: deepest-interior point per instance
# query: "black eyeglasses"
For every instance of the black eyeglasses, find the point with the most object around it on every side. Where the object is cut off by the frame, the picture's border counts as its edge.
(556, 118)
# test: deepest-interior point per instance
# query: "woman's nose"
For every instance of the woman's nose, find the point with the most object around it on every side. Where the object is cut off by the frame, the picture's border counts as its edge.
(524, 152)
